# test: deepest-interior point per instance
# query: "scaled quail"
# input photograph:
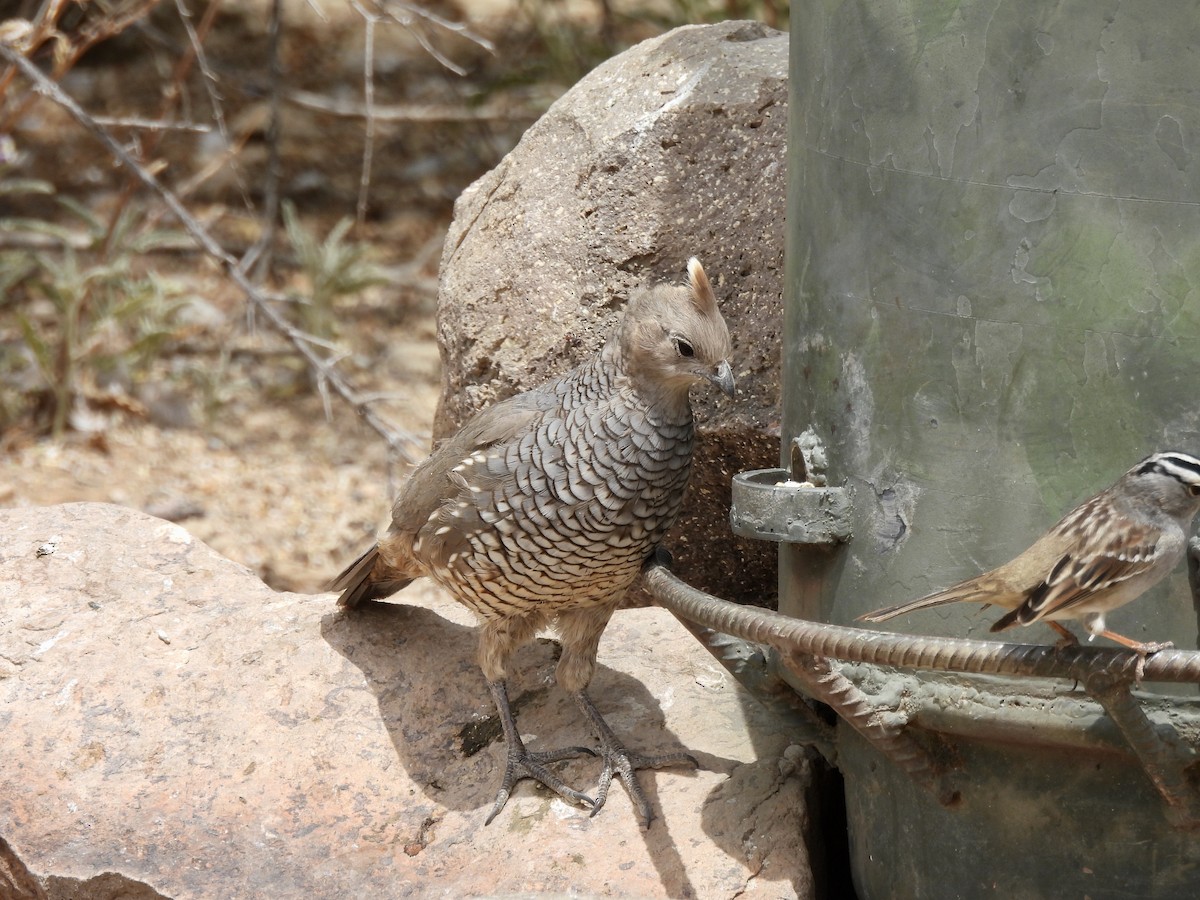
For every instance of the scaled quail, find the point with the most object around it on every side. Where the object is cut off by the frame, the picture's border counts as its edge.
(542, 509)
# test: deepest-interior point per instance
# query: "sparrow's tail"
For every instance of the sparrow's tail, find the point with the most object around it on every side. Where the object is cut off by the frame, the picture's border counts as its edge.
(963, 591)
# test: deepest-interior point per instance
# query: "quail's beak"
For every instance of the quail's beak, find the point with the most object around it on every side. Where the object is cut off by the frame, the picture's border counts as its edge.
(723, 378)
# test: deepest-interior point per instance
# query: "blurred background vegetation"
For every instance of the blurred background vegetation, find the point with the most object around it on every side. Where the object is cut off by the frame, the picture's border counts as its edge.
(353, 125)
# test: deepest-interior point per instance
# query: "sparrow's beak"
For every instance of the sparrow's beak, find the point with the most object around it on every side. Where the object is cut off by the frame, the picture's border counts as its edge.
(723, 378)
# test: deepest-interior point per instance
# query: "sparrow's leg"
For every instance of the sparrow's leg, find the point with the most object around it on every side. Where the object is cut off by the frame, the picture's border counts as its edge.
(1094, 622)
(1065, 638)
(1141, 648)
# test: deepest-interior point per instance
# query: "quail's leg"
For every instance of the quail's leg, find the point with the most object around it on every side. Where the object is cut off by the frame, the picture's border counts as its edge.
(580, 631)
(522, 763)
(618, 760)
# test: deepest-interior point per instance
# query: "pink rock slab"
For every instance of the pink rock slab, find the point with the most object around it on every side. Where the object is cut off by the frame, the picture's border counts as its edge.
(168, 719)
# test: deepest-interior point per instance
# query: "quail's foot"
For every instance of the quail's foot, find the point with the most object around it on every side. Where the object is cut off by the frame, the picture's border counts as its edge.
(522, 763)
(619, 760)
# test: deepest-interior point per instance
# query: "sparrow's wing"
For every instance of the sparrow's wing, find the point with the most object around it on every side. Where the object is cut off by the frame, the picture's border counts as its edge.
(1099, 563)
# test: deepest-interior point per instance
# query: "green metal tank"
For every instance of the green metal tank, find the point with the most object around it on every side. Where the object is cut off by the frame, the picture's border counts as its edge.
(993, 310)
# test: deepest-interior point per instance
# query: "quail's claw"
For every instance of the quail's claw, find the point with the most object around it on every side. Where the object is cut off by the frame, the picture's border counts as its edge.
(620, 761)
(523, 764)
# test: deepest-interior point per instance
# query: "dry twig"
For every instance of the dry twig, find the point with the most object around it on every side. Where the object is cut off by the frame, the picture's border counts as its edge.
(413, 16)
(152, 124)
(364, 181)
(411, 112)
(196, 36)
(258, 257)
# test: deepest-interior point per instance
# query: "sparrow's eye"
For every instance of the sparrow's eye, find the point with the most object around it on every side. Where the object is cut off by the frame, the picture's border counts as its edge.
(1194, 490)
(685, 349)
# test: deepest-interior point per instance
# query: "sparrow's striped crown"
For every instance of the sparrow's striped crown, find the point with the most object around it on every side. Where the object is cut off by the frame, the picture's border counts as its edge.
(1183, 467)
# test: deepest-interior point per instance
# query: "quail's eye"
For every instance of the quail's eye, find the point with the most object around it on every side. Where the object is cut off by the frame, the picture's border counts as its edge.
(684, 348)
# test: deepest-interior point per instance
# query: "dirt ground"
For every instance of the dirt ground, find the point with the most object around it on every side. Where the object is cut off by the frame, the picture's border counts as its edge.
(277, 487)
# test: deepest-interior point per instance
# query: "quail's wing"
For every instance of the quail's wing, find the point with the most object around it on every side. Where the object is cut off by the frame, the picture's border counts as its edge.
(1099, 562)
(470, 482)
(432, 483)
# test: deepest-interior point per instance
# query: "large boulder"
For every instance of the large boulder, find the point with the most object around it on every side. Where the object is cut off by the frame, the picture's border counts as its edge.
(674, 148)
(174, 728)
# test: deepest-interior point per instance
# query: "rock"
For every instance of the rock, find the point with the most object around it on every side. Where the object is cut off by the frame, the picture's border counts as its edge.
(16, 881)
(173, 728)
(672, 149)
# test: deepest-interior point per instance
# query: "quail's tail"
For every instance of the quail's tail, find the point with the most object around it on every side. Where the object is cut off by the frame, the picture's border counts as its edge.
(967, 590)
(361, 581)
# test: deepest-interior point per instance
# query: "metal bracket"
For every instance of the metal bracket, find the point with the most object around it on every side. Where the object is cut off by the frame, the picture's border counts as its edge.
(797, 506)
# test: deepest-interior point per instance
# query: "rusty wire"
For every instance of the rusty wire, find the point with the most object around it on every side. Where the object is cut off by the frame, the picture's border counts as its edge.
(902, 651)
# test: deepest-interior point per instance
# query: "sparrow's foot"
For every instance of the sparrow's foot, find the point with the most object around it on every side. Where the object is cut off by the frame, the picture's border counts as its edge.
(1142, 648)
(1065, 638)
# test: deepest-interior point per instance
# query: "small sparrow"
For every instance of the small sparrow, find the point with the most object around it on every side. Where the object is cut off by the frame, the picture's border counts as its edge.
(1107, 551)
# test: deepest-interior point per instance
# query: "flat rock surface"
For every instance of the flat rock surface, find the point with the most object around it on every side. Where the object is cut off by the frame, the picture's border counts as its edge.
(173, 727)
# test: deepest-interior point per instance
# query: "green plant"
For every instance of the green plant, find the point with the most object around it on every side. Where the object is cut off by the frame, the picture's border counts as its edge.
(84, 313)
(106, 323)
(334, 267)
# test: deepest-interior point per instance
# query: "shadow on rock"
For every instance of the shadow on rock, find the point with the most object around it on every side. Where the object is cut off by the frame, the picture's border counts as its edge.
(770, 812)
(441, 720)
(433, 702)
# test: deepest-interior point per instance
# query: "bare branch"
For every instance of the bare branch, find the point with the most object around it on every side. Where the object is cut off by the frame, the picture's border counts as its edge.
(459, 28)
(152, 124)
(409, 112)
(258, 256)
(195, 39)
(364, 182)
(413, 17)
